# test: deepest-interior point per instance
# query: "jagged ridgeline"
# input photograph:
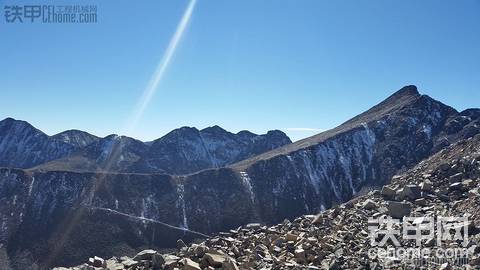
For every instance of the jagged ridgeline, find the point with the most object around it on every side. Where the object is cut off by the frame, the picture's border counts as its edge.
(88, 202)
(183, 150)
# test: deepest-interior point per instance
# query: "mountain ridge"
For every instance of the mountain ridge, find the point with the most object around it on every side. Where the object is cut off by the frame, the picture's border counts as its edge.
(406, 95)
(77, 150)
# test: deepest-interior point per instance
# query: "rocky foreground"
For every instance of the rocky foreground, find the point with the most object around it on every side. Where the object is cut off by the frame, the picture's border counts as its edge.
(447, 184)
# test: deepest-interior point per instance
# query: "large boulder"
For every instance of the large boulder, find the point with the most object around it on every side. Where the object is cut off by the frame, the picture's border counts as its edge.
(398, 209)
(411, 192)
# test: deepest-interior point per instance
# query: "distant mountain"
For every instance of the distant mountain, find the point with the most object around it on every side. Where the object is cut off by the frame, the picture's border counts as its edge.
(113, 153)
(62, 218)
(186, 150)
(23, 146)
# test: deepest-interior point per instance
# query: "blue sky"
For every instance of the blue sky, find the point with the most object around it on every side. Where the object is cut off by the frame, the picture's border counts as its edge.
(250, 64)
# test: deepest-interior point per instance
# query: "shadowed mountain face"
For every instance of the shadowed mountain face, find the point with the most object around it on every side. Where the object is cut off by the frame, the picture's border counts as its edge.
(184, 150)
(23, 146)
(61, 218)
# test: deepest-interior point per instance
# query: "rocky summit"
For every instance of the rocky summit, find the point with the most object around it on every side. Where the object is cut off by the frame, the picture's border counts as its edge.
(447, 184)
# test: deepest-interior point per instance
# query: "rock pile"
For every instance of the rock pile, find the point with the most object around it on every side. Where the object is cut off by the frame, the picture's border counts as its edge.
(447, 184)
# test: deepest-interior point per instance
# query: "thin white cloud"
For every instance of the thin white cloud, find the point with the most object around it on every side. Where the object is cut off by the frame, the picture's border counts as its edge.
(302, 129)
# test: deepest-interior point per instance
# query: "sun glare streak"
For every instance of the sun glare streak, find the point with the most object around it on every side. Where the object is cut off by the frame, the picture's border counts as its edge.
(157, 76)
(67, 225)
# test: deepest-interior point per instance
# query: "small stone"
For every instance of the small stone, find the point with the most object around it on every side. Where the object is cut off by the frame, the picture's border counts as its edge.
(144, 255)
(426, 186)
(333, 265)
(421, 202)
(456, 186)
(170, 261)
(473, 193)
(190, 265)
(456, 178)
(181, 244)
(157, 261)
(253, 226)
(229, 264)
(96, 262)
(200, 250)
(300, 256)
(318, 219)
(214, 260)
(444, 166)
(411, 192)
(468, 183)
(291, 237)
(369, 205)
(129, 263)
(445, 266)
(388, 192)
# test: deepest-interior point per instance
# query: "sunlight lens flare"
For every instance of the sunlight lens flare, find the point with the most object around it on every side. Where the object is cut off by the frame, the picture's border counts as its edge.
(157, 76)
(67, 225)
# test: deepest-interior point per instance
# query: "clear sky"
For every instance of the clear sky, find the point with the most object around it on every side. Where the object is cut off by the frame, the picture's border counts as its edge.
(245, 64)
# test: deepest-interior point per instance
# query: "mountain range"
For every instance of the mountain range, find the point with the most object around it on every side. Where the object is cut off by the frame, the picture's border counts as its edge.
(71, 197)
(184, 150)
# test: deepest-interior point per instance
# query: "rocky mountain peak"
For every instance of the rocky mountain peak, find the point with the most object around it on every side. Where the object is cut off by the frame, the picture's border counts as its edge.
(76, 137)
(183, 132)
(13, 124)
(408, 90)
(246, 134)
(276, 133)
(214, 129)
(23, 146)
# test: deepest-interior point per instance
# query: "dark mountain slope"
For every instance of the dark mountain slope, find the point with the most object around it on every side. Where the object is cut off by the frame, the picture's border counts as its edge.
(187, 150)
(184, 150)
(112, 153)
(407, 98)
(23, 146)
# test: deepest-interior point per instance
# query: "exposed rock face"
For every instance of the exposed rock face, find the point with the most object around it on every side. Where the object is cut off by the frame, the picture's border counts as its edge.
(339, 238)
(330, 168)
(23, 146)
(187, 150)
(113, 153)
(182, 151)
(62, 217)
(116, 214)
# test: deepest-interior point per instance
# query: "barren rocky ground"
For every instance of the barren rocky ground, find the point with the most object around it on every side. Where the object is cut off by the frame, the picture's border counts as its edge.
(446, 184)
